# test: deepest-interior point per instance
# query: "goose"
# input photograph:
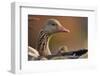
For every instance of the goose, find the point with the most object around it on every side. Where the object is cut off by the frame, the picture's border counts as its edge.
(51, 26)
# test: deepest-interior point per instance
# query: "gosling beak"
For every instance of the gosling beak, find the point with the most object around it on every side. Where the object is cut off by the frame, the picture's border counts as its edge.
(63, 29)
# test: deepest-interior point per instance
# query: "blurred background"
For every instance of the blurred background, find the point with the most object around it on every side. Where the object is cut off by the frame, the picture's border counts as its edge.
(76, 39)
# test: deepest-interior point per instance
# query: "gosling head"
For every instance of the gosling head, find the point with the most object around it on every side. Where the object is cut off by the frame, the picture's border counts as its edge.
(63, 49)
(54, 26)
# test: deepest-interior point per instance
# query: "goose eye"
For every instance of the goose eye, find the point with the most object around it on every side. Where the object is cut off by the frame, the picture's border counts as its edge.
(53, 24)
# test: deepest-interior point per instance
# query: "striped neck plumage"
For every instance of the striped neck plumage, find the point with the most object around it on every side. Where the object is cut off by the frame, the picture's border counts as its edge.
(43, 43)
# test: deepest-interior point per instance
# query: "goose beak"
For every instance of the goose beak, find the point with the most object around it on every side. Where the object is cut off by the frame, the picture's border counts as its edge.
(63, 29)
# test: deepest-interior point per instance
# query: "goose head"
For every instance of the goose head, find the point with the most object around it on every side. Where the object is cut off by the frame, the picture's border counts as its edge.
(54, 26)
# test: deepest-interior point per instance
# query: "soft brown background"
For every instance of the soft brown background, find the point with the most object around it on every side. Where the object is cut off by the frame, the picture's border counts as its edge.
(76, 39)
